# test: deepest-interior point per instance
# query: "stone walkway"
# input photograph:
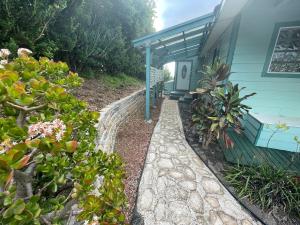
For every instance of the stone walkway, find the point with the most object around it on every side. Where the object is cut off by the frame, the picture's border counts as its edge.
(176, 187)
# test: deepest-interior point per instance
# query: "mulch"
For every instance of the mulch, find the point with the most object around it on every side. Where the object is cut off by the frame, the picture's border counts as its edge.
(132, 143)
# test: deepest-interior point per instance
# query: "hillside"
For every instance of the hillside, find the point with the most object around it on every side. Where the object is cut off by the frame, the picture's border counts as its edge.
(100, 92)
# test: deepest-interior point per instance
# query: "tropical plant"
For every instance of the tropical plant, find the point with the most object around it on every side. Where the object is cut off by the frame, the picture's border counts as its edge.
(218, 106)
(213, 76)
(266, 186)
(49, 168)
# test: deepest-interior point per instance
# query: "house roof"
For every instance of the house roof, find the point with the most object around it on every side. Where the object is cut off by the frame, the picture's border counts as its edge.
(181, 41)
(228, 10)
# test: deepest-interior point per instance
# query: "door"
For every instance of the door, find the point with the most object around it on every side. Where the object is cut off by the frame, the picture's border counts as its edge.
(183, 75)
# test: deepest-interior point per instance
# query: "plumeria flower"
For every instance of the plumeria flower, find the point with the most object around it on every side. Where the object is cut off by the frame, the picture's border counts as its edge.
(24, 52)
(4, 53)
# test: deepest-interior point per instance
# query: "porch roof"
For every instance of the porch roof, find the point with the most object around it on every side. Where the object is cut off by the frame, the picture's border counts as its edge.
(184, 40)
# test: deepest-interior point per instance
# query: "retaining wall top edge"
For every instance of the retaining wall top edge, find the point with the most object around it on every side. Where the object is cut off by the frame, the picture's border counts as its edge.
(110, 106)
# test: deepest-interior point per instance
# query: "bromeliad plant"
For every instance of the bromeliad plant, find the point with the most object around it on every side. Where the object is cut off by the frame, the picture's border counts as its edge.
(218, 106)
(49, 168)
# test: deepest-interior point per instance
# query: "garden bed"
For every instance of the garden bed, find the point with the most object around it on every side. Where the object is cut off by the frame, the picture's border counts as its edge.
(215, 160)
(132, 143)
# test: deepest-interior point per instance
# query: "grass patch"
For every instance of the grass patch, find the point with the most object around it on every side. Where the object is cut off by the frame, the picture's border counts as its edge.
(121, 80)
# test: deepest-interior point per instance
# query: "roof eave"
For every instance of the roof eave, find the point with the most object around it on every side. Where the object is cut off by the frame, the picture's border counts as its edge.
(188, 25)
(229, 9)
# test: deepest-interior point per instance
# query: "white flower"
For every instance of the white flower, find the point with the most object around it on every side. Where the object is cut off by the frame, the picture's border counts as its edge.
(48, 129)
(1, 67)
(4, 53)
(24, 52)
(3, 62)
(58, 136)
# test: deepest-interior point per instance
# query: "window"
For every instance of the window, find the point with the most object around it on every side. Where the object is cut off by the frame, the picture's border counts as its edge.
(285, 56)
(215, 56)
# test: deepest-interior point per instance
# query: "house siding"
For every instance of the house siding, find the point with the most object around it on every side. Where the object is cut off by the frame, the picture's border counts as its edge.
(276, 96)
(222, 45)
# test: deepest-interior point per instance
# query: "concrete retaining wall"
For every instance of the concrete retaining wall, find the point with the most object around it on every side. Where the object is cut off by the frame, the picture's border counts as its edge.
(113, 115)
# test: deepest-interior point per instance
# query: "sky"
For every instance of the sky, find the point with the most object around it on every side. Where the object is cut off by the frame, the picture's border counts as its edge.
(172, 12)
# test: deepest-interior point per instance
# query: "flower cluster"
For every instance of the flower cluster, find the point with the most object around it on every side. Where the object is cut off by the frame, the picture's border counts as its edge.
(24, 52)
(4, 53)
(55, 128)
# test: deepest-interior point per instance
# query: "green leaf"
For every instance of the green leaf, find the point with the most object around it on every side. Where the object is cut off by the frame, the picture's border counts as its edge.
(214, 126)
(71, 146)
(8, 213)
(229, 118)
(213, 118)
(4, 165)
(122, 218)
(18, 206)
(54, 187)
(17, 217)
(7, 201)
(25, 100)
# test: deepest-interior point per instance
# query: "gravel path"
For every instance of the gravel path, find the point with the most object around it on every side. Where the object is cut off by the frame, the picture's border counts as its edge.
(176, 187)
(132, 144)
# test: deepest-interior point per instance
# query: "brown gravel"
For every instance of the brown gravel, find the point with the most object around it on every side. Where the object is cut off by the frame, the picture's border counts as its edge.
(132, 143)
(99, 95)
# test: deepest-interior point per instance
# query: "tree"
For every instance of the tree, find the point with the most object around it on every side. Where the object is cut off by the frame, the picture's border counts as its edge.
(89, 35)
(26, 23)
(167, 75)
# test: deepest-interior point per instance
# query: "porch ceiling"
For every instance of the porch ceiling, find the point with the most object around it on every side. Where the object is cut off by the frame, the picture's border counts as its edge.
(178, 42)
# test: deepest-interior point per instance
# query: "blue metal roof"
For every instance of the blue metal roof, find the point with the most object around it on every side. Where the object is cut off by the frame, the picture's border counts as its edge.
(180, 41)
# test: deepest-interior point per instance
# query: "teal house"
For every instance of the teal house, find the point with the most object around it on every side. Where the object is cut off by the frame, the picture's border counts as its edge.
(260, 40)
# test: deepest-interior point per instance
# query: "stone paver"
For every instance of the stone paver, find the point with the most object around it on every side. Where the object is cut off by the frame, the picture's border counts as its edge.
(176, 187)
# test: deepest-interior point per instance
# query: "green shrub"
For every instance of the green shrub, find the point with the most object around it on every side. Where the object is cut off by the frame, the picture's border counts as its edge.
(218, 106)
(48, 161)
(266, 186)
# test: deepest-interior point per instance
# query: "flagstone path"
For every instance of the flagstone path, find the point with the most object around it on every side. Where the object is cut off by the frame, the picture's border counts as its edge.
(176, 187)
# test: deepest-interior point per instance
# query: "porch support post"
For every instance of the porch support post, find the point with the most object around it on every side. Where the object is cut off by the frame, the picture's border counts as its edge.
(148, 65)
